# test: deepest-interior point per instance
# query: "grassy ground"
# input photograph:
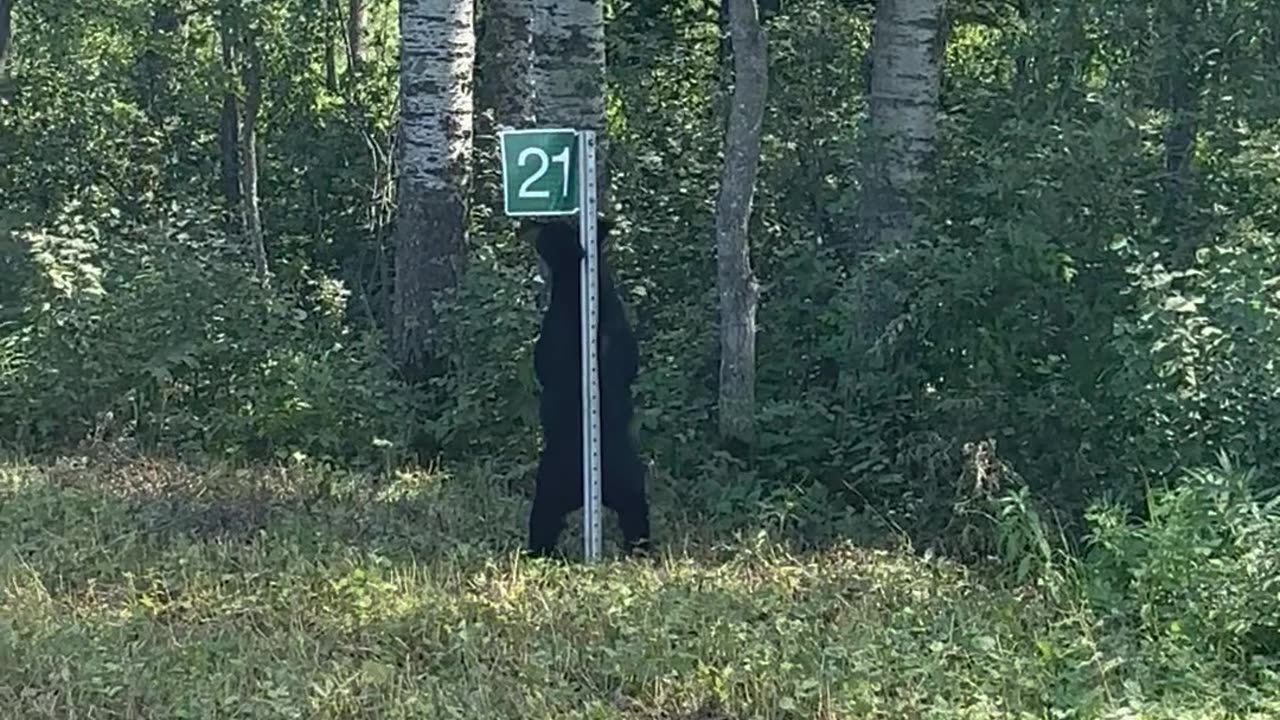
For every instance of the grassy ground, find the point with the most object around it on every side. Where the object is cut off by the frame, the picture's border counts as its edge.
(148, 589)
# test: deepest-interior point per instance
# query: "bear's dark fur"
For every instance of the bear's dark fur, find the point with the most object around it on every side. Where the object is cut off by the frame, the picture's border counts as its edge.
(558, 365)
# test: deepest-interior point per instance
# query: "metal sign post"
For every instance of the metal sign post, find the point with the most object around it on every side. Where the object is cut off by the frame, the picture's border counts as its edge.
(590, 325)
(542, 176)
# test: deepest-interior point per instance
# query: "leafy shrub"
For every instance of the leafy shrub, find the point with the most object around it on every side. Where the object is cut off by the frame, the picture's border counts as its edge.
(484, 403)
(162, 334)
(1201, 571)
(1202, 354)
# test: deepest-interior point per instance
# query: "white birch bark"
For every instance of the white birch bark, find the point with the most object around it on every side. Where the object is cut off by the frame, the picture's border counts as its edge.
(906, 75)
(569, 72)
(249, 159)
(510, 45)
(437, 55)
(735, 281)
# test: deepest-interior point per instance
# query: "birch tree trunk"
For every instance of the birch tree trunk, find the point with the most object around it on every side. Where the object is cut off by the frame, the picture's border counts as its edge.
(567, 83)
(739, 293)
(569, 72)
(906, 74)
(437, 56)
(249, 158)
(509, 60)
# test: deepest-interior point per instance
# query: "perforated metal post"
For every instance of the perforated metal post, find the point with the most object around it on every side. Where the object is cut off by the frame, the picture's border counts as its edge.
(590, 324)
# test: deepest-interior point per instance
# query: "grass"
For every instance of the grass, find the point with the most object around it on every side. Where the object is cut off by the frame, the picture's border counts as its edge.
(136, 588)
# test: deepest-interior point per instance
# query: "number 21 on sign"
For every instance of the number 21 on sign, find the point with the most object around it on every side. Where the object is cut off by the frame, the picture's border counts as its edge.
(537, 171)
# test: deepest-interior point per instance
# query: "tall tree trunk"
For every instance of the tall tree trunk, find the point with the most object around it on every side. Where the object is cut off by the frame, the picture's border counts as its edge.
(331, 19)
(249, 158)
(229, 123)
(355, 36)
(906, 74)
(436, 65)
(738, 290)
(510, 60)
(569, 73)
(154, 65)
(1181, 85)
(567, 82)
(6, 32)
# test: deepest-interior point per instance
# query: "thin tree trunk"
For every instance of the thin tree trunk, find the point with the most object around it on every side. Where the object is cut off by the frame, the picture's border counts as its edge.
(355, 36)
(1180, 86)
(249, 159)
(6, 32)
(569, 73)
(229, 124)
(330, 52)
(154, 65)
(436, 69)
(906, 74)
(738, 290)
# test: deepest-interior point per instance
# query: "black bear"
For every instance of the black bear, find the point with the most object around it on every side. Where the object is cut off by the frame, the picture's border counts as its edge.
(557, 363)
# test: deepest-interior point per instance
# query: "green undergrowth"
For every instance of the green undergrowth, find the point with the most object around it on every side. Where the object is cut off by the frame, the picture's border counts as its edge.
(134, 588)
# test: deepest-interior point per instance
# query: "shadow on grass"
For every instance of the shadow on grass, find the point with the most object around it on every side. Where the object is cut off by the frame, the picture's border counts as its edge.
(417, 515)
(156, 501)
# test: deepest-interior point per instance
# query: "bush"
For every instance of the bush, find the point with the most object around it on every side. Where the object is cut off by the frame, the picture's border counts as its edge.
(484, 402)
(1202, 354)
(162, 334)
(1201, 572)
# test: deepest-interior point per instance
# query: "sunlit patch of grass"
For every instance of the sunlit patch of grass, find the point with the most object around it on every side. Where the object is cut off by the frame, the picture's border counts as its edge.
(405, 597)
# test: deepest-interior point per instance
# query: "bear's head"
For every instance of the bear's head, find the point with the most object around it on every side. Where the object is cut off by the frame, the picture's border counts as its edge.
(557, 242)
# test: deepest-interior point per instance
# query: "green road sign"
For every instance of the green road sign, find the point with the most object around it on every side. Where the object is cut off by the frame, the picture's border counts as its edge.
(539, 171)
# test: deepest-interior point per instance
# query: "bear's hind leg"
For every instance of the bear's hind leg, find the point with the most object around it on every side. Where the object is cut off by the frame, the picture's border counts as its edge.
(624, 493)
(553, 499)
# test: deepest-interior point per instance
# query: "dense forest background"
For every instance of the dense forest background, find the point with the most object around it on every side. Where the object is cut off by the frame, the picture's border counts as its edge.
(1093, 297)
(1067, 373)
